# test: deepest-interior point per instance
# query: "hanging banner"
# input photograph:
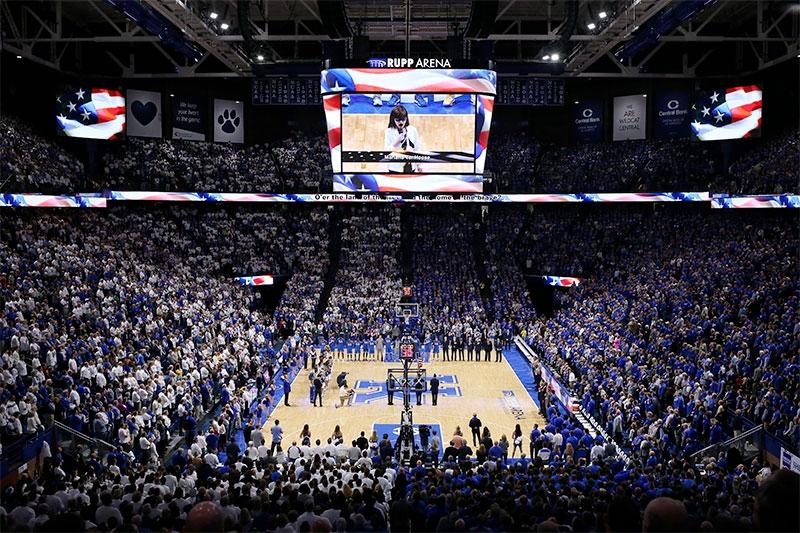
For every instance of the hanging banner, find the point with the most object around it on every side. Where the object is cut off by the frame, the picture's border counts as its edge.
(144, 114)
(587, 121)
(188, 118)
(672, 115)
(630, 117)
(228, 121)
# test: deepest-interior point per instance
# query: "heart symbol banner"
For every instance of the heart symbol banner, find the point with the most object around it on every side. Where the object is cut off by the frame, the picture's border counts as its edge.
(144, 113)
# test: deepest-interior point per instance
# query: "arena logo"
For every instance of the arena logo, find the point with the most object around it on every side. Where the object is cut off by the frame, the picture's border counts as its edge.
(672, 104)
(407, 62)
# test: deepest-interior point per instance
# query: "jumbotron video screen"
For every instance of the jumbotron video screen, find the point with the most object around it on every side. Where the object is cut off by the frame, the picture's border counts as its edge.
(408, 130)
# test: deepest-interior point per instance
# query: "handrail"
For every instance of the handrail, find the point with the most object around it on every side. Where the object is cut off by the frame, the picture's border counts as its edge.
(92, 440)
(729, 442)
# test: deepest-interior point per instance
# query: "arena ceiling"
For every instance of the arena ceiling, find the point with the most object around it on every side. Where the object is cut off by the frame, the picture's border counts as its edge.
(591, 38)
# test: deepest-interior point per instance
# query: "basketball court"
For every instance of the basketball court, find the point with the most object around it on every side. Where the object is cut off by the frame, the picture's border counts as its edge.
(492, 390)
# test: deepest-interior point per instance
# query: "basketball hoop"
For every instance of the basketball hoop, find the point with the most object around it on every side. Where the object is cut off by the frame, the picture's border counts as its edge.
(406, 310)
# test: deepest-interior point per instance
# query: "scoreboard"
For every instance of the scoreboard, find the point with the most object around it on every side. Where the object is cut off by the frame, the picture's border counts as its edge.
(530, 91)
(286, 91)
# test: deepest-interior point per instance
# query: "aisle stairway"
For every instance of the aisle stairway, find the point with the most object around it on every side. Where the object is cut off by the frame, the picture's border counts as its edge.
(334, 250)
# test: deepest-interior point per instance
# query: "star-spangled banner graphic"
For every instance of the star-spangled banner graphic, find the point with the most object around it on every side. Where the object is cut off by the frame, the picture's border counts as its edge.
(433, 156)
(256, 280)
(561, 281)
(733, 113)
(100, 199)
(91, 113)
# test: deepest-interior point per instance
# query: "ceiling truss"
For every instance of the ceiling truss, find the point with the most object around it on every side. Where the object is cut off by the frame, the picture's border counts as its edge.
(766, 32)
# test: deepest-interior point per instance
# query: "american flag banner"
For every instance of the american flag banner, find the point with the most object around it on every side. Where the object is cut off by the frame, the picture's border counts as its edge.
(468, 183)
(255, 280)
(781, 201)
(733, 113)
(46, 200)
(561, 281)
(91, 113)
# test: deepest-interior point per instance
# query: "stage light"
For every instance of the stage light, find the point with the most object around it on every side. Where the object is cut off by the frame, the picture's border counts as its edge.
(576, 102)
(213, 16)
(555, 57)
(591, 26)
(546, 57)
(172, 95)
(644, 95)
(602, 15)
(224, 26)
(19, 57)
(260, 57)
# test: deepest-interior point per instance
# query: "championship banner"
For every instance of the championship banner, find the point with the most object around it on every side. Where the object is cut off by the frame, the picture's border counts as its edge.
(630, 117)
(188, 118)
(228, 121)
(561, 281)
(672, 115)
(46, 200)
(587, 121)
(791, 201)
(144, 114)
(256, 280)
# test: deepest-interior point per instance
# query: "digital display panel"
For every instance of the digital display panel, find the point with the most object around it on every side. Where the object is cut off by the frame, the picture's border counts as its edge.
(732, 113)
(90, 113)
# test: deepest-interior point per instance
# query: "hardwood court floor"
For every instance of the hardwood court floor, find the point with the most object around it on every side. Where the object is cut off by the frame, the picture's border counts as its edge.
(481, 386)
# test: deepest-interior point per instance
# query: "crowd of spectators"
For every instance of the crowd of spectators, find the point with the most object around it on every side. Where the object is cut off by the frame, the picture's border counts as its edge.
(570, 482)
(31, 163)
(516, 163)
(771, 167)
(305, 162)
(672, 349)
(178, 165)
(367, 283)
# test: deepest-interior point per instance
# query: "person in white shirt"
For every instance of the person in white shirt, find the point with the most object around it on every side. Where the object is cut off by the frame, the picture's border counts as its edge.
(401, 136)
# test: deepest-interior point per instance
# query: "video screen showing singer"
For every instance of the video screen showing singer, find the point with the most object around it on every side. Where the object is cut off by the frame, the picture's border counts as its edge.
(400, 135)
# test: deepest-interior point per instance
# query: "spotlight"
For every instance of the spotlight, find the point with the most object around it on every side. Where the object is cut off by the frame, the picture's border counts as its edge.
(591, 26)
(644, 95)
(546, 57)
(555, 57)
(602, 15)
(213, 16)
(172, 95)
(260, 57)
(576, 102)
(224, 26)
(19, 57)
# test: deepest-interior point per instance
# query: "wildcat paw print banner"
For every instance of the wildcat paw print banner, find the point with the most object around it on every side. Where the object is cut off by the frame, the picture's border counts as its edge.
(228, 121)
(144, 113)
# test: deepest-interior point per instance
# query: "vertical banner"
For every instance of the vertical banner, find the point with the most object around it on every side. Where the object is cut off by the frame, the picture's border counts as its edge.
(587, 121)
(672, 116)
(144, 113)
(630, 117)
(228, 121)
(188, 118)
